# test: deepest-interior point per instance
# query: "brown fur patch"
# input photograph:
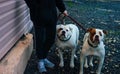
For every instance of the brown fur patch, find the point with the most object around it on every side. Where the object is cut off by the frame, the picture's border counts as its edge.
(92, 33)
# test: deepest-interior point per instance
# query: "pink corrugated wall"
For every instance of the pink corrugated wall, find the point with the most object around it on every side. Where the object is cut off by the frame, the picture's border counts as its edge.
(14, 22)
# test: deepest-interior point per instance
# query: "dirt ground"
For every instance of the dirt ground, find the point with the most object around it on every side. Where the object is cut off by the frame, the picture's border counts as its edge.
(103, 15)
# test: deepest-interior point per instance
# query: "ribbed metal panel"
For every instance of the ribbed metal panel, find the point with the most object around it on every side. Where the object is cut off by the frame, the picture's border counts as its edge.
(14, 22)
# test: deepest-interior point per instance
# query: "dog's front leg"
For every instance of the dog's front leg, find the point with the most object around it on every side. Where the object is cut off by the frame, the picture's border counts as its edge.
(86, 63)
(100, 64)
(61, 58)
(82, 58)
(91, 59)
(72, 58)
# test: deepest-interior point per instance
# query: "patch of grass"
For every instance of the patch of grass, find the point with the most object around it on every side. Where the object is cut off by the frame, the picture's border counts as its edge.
(115, 32)
(70, 4)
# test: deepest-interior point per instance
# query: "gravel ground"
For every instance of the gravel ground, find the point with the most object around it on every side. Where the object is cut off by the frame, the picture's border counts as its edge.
(103, 15)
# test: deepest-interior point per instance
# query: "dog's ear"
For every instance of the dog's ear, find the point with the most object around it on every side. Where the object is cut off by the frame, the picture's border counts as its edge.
(89, 29)
(105, 32)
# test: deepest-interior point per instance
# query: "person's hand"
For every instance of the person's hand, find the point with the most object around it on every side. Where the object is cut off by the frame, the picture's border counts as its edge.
(65, 13)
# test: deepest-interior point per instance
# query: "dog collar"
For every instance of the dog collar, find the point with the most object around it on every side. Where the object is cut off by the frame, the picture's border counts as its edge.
(92, 45)
(64, 40)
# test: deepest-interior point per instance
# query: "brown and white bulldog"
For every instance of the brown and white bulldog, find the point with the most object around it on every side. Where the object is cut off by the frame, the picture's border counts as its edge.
(93, 45)
(67, 38)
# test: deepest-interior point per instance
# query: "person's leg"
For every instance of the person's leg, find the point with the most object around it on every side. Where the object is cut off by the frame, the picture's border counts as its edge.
(45, 37)
(40, 51)
(50, 39)
(40, 41)
(50, 36)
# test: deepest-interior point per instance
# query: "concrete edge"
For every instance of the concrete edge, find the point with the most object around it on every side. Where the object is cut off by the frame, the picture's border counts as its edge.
(16, 60)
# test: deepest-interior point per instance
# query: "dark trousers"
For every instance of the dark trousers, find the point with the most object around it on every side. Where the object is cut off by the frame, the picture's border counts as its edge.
(44, 38)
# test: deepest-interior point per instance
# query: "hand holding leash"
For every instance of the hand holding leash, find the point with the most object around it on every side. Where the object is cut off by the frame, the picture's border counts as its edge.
(62, 16)
(65, 13)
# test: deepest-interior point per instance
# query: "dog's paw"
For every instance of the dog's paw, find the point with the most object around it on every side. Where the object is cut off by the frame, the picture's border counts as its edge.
(86, 65)
(61, 64)
(72, 65)
(91, 64)
(81, 72)
(97, 72)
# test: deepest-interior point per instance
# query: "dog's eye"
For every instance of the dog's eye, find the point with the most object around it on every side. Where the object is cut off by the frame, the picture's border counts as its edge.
(66, 30)
(93, 33)
(61, 29)
(100, 33)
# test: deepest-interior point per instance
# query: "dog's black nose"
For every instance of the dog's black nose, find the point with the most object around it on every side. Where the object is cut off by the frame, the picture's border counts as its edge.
(63, 32)
(96, 37)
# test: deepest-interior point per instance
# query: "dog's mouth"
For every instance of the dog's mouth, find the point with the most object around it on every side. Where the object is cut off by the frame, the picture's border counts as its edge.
(96, 40)
(62, 36)
(94, 43)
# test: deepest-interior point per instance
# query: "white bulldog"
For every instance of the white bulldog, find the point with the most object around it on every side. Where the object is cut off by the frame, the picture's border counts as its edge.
(93, 45)
(67, 37)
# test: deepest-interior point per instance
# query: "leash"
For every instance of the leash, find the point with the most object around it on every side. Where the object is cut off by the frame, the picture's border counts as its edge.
(62, 17)
(77, 23)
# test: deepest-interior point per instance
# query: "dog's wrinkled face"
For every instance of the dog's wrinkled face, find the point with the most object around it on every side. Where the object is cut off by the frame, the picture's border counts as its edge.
(96, 35)
(64, 32)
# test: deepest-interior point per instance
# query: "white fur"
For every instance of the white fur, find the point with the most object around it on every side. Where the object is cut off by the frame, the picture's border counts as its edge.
(88, 50)
(72, 43)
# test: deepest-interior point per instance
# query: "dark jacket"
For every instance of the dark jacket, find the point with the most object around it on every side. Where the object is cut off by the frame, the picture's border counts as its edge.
(44, 11)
